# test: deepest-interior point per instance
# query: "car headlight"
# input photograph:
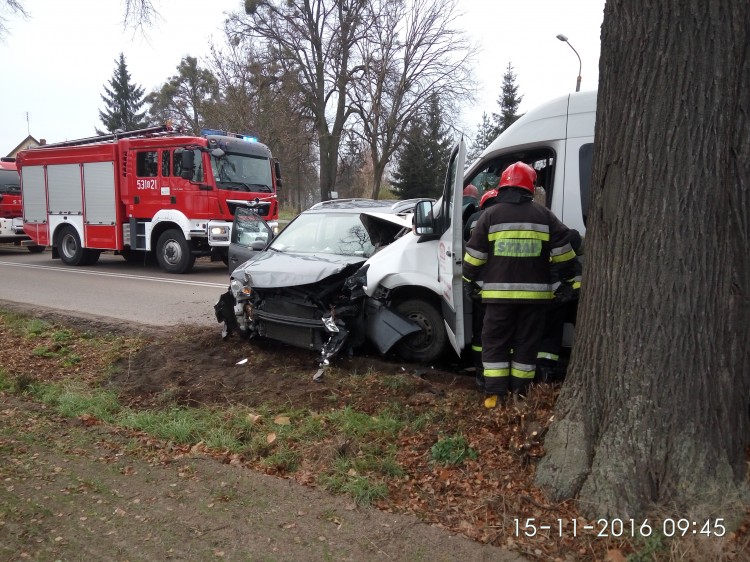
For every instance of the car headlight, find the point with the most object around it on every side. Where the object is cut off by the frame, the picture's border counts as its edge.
(238, 288)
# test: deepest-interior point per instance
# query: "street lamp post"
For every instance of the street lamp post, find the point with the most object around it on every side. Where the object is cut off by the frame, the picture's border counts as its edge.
(562, 37)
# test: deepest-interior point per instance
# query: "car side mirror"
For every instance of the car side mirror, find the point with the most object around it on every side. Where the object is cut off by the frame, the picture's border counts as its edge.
(277, 171)
(424, 221)
(187, 161)
(258, 245)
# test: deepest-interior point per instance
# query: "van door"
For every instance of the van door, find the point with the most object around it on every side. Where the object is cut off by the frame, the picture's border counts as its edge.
(450, 249)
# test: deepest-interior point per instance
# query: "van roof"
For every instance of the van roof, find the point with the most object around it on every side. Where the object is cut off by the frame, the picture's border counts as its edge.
(545, 122)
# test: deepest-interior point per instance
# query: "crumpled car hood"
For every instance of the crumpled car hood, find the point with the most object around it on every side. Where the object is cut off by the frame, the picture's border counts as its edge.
(272, 269)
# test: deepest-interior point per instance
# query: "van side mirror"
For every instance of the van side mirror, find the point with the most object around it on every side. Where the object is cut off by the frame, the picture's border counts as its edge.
(424, 221)
(277, 171)
(187, 161)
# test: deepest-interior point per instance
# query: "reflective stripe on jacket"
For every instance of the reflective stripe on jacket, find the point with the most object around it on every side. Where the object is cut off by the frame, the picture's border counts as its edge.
(513, 246)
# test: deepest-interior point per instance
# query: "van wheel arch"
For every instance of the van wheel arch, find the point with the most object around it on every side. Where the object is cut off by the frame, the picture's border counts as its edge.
(428, 345)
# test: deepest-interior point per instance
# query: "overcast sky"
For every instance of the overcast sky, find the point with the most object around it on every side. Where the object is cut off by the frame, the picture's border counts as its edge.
(55, 63)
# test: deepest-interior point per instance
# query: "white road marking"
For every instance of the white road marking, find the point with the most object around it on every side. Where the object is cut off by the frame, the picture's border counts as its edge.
(119, 275)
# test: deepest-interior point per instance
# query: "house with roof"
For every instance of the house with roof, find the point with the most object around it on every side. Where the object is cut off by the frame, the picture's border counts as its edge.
(28, 142)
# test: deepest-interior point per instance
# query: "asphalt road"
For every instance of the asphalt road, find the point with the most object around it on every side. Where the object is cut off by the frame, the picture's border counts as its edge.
(113, 288)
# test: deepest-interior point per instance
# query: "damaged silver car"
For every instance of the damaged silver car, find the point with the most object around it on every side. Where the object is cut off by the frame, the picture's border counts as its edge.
(307, 288)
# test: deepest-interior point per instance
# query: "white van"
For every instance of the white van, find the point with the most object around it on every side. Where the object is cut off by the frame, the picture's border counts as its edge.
(423, 268)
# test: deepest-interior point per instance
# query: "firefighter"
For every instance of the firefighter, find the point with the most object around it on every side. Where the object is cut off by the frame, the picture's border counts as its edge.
(512, 246)
(477, 308)
(562, 309)
(470, 201)
(487, 200)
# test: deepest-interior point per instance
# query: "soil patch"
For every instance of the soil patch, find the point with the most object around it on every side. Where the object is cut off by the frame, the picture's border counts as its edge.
(195, 366)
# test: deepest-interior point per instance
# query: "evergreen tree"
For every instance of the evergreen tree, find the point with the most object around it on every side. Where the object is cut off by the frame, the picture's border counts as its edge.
(438, 146)
(411, 178)
(508, 101)
(184, 98)
(423, 158)
(485, 135)
(122, 100)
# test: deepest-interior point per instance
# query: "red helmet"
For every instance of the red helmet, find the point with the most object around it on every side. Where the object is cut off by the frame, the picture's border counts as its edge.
(491, 194)
(518, 175)
(471, 191)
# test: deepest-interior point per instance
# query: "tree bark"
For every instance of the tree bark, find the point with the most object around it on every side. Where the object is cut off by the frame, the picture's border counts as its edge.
(655, 409)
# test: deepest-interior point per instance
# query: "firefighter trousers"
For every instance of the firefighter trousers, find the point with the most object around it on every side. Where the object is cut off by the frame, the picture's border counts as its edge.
(510, 341)
(477, 321)
(548, 358)
(551, 342)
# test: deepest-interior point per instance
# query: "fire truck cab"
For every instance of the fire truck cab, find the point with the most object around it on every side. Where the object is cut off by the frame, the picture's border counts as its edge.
(148, 191)
(11, 223)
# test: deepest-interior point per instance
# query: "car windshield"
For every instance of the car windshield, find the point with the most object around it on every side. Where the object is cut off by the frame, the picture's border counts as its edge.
(330, 233)
(9, 182)
(242, 172)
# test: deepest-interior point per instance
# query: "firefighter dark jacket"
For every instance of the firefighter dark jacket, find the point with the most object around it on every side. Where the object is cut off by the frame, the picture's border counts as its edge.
(513, 246)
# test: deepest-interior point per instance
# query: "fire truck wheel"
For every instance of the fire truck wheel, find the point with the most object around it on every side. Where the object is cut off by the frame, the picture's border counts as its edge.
(173, 252)
(91, 256)
(69, 246)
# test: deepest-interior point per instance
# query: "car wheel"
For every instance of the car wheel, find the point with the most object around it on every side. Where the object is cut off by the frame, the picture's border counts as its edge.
(35, 249)
(173, 252)
(428, 344)
(69, 247)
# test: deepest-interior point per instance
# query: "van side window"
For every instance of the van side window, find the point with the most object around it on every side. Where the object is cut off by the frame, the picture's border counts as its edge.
(165, 163)
(146, 164)
(541, 159)
(585, 162)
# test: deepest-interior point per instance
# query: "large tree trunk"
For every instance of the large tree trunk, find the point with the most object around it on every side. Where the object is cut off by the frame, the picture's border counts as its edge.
(655, 409)
(329, 157)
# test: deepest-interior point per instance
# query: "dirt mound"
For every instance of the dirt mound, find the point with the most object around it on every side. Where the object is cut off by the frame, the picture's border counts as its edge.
(195, 366)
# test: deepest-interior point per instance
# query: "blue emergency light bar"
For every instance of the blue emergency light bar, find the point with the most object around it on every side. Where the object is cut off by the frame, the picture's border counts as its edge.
(217, 132)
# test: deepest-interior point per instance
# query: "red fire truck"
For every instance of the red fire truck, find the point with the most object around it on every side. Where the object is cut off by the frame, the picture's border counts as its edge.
(11, 223)
(151, 190)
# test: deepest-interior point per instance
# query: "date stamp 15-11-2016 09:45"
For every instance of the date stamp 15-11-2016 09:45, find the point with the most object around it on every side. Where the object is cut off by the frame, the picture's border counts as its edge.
(620, 528)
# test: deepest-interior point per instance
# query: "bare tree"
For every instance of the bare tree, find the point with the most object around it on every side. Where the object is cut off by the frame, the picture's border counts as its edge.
(411, 53)
(259, 98)
(14, 7)
(139, 14)
(313, 40)
(655, 411)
